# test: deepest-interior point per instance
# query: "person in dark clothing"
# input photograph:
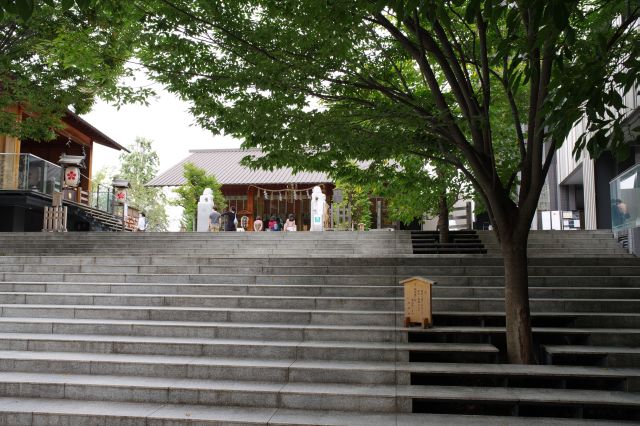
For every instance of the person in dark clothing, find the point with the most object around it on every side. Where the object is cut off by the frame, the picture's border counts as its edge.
(230, 219)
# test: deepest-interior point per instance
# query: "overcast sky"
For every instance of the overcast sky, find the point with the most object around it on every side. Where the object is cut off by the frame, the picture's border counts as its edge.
(166, 121)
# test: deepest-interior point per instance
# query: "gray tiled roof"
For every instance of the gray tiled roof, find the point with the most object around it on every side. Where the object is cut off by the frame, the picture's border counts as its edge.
(224, 164)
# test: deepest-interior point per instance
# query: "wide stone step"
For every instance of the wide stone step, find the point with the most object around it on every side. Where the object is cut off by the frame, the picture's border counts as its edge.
(309, 350)
(303, 305)
(602, 405)
(237, 315)
(543, 335)
(384, 280)
(209, 329)
(211, 301)
(607, 356)
(307, 290)
(210, 368)
(534, 376)
(265, 394)
(541, 319)
(398, 260)
(42, 411)
(322, 270)
(204, 289)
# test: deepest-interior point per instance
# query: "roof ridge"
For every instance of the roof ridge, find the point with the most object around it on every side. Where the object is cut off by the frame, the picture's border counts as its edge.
(226, 150)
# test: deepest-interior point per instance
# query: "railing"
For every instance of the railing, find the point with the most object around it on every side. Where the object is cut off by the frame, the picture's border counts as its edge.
(101, 197)
(26, 172)
(625, 200)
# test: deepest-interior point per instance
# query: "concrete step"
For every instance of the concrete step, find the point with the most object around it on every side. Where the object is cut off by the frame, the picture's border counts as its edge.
(605, 356)
(300, 350)
(233, 306)
(353, 260)
(306, 290)
(323, 270)
(211, 301)
(204, 289)
(541, 319)
(522, 401)
(221, 393)
(230, 315)
(524, 376)
(239, 369)
(201, 329)
(42, 411)
(543, 335)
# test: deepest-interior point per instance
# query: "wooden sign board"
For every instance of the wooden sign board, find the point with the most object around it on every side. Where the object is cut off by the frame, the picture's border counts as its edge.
(417, 301)
(57, 199)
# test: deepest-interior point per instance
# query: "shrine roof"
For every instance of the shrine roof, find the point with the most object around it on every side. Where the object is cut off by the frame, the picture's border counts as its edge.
(74, 120)
(225, 165)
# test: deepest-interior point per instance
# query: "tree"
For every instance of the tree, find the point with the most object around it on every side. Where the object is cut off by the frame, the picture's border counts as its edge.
(412, 187)
(138, 167)
(55, 55)
(189, 193)
(315, 84)
(355, 197)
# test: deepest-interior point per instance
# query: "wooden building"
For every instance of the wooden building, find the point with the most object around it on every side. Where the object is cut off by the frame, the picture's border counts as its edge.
(30, 174)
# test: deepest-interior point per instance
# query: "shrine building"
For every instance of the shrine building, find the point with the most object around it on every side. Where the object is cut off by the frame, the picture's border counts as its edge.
(254, 193)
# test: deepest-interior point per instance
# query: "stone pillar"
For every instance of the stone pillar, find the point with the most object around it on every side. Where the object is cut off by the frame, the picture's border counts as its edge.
(205, 205)
(317, 209)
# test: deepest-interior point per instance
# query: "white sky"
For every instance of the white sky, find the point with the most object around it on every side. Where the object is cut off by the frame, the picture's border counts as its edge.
(166, 121)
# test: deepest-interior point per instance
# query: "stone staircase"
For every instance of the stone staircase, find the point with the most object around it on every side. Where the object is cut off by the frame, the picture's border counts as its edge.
(306, 328)
(461, 242)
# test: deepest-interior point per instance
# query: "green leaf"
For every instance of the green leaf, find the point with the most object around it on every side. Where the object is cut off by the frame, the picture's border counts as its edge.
(67, 4)
(24, 8)
(559, 13)
(472, 10)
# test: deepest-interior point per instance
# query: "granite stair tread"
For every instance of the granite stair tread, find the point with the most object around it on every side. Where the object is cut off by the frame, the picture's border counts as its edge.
(521, 395)
(75, 412)
(411, 346)
(590, 349)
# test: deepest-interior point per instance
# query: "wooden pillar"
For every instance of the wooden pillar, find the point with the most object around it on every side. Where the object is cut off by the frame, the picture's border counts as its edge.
(251, 192)
(10, 145)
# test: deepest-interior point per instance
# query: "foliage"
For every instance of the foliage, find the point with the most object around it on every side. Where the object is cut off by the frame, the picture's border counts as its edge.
(355, 197)
(189, 193)
(139, 166)
(492, 88)
(62, 57)
(411, 185)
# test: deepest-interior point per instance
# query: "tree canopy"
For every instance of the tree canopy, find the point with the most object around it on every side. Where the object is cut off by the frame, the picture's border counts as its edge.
(485, 86)
(56, 55)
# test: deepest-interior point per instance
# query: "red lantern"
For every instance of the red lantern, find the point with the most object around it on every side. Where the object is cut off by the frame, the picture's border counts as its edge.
(72, 176)
(121, 195)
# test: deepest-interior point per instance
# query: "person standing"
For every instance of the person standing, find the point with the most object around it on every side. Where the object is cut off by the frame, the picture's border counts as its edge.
(214, 220)
(230, 220)
(290, 224)
(142, 222)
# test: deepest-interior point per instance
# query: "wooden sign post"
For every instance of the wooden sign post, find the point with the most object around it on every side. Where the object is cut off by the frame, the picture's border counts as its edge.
(417, 301)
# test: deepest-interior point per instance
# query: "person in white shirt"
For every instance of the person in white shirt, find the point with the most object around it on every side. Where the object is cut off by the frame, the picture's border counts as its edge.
(142, 223)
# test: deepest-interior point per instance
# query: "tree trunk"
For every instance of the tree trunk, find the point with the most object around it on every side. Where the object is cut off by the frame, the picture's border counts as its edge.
(443, 219)
(516, 294)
